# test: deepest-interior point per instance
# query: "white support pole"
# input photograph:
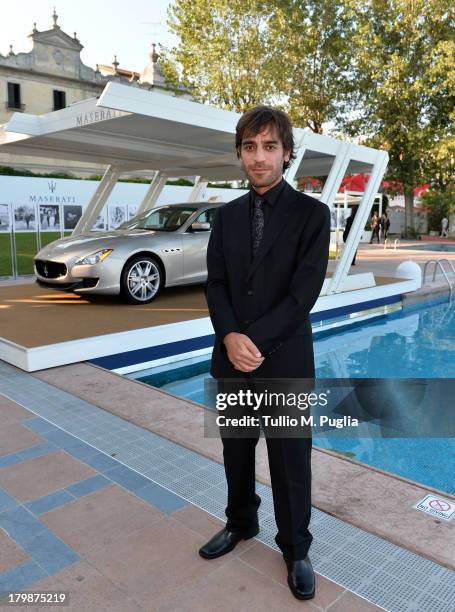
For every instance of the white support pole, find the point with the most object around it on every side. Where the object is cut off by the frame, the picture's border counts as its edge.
(336, 174)
(153, 192)
(342, 269)
(198, 190)
(97, 201)
(289, 173)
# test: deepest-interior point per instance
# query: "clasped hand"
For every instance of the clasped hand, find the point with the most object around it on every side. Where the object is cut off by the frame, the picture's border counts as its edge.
(242, 352)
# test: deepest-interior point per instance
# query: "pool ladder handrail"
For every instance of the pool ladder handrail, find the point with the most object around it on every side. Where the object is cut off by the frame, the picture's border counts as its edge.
(438, 263)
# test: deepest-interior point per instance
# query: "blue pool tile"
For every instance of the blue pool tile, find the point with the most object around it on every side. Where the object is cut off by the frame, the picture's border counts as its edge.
(89, 485)
(38, 450)
(129, 479)
(80, 450)
(49, 502)
(39, 425)
(9, 460)
(164, 500)
(50, 552)
(99, 461)
(62, 438)
(77, 448)
(6, 501)
(21, 525)
(20, 577)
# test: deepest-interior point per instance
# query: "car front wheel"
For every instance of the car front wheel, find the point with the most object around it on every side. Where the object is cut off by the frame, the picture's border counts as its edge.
(141, 280)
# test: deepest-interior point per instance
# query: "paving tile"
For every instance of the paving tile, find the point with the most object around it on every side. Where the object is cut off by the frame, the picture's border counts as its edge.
(10, 553)
(21, 576)
(79, 449)
(232, 588)
(89, 485)
(97, 460)
(165, 500)
(37, 477)
(62, 438)
(199, 520)
(349, 602)
(88, 591)
(50, 552)
(127, 477)
(27, 453)
(15, 437)
(40, 425)
(7, 502)
(21, 525)
(90, 455)
(10, 412)
(49, 502)
(271, 563)
(155, 562)
(99, 518)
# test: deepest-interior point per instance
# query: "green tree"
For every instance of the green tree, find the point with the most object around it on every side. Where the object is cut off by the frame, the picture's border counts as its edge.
(223, 55)
(313, 55)
(441, 204)
(238, 53)
(404, 73)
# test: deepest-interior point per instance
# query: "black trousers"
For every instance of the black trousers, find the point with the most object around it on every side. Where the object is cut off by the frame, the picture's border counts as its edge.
(289, 463)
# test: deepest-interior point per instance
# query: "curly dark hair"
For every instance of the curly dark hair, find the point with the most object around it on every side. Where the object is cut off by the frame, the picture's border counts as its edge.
(255, 119)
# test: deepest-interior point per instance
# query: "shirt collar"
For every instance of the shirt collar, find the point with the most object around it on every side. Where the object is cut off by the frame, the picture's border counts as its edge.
(271, 195)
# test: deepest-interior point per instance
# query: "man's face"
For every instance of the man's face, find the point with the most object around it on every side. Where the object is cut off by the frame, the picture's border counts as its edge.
(262, 157)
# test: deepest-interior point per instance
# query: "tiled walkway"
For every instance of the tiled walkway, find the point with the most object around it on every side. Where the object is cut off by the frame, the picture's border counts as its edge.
(78, 521)
(114, 515)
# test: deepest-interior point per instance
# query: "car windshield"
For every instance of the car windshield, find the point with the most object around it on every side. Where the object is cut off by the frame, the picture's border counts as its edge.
(163, 219)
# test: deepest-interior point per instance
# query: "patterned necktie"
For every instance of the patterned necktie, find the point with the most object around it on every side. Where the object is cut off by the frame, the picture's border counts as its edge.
(257, 224)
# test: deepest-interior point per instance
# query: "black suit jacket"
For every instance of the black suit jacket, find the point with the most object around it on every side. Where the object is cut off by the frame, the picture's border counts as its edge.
(269, 297)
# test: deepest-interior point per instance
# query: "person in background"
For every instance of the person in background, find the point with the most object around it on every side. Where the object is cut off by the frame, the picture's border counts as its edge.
(385, 224)
(347, 229)
(444, 227)
(374, 224)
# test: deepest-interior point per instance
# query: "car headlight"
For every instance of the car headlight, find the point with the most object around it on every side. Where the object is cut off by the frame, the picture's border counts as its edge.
(94, 258)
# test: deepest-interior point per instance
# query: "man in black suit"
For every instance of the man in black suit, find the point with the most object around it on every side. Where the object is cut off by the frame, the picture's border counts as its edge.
(266, 259)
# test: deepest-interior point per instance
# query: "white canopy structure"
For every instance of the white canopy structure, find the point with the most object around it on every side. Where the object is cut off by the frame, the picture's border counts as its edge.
(131, 129)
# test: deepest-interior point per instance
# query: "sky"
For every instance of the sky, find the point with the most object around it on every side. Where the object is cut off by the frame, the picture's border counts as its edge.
(125, 28)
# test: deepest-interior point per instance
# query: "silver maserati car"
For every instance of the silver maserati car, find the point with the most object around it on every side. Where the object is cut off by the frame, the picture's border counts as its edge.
(163, 247)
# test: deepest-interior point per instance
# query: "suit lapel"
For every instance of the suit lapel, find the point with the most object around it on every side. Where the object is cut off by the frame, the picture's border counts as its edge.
(242, 230)
(280, 216)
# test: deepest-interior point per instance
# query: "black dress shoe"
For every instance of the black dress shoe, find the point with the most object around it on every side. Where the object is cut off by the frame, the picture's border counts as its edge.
(301, 578)
(223, 542)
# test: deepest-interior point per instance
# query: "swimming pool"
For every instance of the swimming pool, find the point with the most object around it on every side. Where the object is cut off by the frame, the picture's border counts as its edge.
(418, 342)
(438, 246)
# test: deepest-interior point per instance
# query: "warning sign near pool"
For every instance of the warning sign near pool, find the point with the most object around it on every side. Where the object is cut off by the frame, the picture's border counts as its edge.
(437, 507)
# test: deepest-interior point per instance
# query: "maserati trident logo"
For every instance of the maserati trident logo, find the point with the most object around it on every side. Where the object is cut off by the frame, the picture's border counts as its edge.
(45, 270)
(52, 186)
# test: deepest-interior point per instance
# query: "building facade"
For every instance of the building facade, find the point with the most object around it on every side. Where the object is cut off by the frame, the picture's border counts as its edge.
(52, 76)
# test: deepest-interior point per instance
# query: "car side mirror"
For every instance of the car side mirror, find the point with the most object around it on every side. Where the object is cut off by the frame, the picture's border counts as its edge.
(200, 227)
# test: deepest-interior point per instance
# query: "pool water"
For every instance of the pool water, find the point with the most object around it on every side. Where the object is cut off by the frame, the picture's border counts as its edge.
(438, 246)
(418, 342)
